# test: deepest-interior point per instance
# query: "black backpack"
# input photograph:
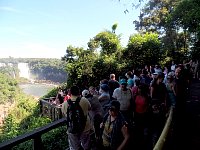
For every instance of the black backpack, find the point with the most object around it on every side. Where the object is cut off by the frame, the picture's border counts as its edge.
(76, 120)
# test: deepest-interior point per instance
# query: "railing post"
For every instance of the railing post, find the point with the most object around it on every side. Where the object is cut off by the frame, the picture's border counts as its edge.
(37, 143)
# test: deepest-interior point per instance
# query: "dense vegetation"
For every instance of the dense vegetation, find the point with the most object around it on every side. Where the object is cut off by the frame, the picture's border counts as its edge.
(167, 30)
(24, 116)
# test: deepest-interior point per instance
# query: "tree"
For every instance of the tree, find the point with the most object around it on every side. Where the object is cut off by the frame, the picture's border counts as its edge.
(142, 49)
(114, 27)
(106, 42)
(186, 16)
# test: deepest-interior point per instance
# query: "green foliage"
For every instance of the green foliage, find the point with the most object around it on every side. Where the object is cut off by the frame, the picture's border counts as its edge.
(55, 139)
(7, 88)
(51, 93)
(143, 49)
(186, 16)
(107, 42)
(24, 116)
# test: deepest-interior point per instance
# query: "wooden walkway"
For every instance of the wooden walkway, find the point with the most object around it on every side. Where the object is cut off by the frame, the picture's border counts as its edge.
(186, 133)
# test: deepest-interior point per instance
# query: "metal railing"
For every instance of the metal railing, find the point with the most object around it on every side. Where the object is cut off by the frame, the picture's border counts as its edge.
(34, 135)
(52, 111)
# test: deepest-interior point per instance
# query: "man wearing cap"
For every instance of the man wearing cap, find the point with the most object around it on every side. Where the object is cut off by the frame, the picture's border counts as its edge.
(96, 112)
(124, 96)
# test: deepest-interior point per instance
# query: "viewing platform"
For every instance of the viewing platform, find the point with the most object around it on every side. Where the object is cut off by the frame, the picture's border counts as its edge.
(178, 133)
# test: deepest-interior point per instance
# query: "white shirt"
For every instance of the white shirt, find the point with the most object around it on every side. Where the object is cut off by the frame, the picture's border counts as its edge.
(124, 97)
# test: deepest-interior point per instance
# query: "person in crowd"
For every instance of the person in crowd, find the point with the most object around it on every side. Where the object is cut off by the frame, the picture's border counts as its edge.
(124, 96)
(135, 88)
(136, 76)
(93, 91)
(67, 95)
(158, 93)
(170, 85)
(104, 97)
(59, 98)
(157, 69)
(173, 67)
(130, 82)
(113, 84)
(146, 68)
(96, 112)
(104, 81)
(154, 77)
(115, 135)
(152, 69)
(142, 102)
(145, 78)
(83, 138)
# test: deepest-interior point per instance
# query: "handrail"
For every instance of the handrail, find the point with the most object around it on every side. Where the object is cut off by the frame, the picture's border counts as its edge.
(50, 110)
(35, 135)
(162, 139)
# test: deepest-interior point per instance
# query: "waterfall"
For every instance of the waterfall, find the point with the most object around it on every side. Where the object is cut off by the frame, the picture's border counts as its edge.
(24, 70)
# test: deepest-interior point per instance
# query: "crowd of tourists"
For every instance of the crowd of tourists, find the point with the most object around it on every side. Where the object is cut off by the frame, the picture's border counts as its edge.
(129, 113)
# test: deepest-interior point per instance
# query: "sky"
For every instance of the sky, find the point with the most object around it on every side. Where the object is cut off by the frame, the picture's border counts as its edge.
(45, 28)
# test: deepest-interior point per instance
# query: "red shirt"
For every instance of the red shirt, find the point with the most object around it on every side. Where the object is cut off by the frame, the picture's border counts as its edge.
(66, 97)
(141, 104)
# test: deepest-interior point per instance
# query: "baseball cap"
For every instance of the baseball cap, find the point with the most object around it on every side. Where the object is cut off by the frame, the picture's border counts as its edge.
(114, 105)
(105, 87)
(122, 81)
(85, 93)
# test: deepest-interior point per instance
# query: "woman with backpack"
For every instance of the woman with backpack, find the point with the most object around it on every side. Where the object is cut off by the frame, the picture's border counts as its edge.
(115, 133)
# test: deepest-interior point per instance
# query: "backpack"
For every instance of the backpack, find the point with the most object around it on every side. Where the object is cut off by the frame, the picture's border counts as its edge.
(76, 120)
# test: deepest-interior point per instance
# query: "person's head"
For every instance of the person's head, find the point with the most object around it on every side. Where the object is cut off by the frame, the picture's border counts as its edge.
(112, 76)
(170, 78)
(104, 87)
(144, 72)
(129, 74)
(75, 91)
(146, 67)
(92, 90)
(143, 89)
(114, 108)
(104, 81)
(177, 72)
(86, 93)
(123, 84)
(156, 66)
(172, 62)
(160, 77)
(155, 75)
(137, 82)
